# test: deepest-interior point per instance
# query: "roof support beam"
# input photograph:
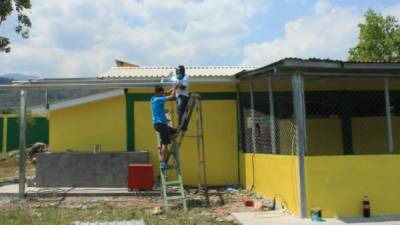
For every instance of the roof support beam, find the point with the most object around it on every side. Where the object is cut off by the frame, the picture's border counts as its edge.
(22, 144)
(301, 136)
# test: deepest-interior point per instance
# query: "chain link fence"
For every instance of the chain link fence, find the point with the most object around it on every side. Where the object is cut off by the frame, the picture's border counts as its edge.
(273, 128)
(344, 116)
(348, 116)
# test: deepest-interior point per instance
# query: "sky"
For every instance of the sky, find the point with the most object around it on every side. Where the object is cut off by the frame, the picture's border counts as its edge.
(82, 38)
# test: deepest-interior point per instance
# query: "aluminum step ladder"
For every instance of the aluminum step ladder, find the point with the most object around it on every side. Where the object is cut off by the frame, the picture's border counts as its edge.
(194, 104)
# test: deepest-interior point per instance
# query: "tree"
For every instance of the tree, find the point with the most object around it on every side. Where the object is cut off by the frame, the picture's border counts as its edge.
(7, 7)
(379, 39)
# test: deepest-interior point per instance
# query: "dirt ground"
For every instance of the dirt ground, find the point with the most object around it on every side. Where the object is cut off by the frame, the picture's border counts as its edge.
(149, 208)
(9, 167)
(66, 210)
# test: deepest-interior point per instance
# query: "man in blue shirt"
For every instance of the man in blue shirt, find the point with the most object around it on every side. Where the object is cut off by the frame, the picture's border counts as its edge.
(160, 121)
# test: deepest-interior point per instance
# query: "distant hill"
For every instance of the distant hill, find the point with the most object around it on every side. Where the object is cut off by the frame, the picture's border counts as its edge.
(18, 76)
(9, 99)
(5, 80)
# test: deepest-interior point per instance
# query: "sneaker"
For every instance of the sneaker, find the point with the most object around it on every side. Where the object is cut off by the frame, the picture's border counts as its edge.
(164, 165)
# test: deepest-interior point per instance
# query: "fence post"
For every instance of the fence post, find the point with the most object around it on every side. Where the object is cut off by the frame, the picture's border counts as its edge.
(5, 135)
(388, 117)
(239, 128)
(22, 144)
(272, 115)
(301, 135)
(253, 122)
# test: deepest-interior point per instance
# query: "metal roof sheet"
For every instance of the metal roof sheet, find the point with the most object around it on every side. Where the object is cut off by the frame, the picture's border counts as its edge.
(337, 60)
(326, 67)
(158, 72)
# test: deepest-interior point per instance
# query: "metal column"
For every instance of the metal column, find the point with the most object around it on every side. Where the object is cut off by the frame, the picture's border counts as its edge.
(388, 117)
(253, 122)
(239, 129)
(22, 144)
(301, 135)
(272, 115)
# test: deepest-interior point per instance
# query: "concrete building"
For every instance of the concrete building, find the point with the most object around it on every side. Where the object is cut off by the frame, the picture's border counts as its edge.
(331, 136)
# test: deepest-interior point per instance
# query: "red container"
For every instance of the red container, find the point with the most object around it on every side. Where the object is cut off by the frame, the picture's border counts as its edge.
(140, 176)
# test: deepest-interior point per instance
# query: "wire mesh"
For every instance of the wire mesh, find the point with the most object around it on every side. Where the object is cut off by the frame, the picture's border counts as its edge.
(346, 116)
(273, 125)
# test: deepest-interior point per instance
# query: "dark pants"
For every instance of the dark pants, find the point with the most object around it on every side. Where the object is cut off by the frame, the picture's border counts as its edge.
(181, 102)
(165, 132)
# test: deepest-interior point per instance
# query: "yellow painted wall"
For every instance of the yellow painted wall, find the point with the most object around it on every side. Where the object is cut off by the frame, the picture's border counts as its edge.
(338, 184)
(329, 84)
(370, 135)
(324, 136)
(80, 127)
(274, 175)
(220, 137)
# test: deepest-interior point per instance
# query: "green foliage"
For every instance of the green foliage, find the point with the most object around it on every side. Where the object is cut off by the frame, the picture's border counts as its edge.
(379, 39)
(7, 7)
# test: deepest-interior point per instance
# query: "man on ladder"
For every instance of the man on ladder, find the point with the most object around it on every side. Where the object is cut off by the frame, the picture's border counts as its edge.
(168, 134)
(182, 94)
(160, 121)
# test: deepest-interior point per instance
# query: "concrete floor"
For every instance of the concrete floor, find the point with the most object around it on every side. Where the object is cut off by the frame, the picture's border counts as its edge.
(278, 218)
(11, 190)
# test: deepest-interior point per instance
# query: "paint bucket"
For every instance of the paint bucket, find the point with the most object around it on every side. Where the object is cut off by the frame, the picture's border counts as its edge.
(316, 214)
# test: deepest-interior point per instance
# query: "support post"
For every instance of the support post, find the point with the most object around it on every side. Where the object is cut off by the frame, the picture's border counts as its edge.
(272, 115)
(5, 134)
(388, 117)
(22, 144)
(301, 135)
(239, 129)
(253, 122)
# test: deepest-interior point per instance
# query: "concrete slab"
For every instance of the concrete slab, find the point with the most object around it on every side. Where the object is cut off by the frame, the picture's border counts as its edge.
(280, 218)
(11, 190)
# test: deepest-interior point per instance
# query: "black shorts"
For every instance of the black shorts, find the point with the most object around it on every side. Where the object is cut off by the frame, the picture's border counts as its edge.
(165, 132)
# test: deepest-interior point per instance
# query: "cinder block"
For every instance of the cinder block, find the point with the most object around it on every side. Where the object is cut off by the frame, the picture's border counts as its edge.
(79, 169)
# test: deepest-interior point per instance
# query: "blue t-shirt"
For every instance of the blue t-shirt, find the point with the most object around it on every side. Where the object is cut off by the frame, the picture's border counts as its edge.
(157, 108)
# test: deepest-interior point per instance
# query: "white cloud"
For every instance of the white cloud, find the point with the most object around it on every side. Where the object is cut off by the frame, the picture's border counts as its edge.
(393, 11)
(328, 33)
(81, 38)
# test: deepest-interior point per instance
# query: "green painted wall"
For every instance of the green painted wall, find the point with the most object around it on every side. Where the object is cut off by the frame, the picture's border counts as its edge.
(37, 132)
(1, 133)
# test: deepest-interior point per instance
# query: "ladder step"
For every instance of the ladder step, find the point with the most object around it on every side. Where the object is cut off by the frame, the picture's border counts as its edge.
(171, 167)
(175, 198)
(172, 182)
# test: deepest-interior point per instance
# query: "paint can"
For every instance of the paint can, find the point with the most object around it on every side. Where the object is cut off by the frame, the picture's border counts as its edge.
(316, 214)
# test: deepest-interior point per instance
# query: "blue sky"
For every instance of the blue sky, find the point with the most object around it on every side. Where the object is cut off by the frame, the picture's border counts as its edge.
(82, 38)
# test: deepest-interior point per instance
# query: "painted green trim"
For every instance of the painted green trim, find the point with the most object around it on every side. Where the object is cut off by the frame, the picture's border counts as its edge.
(345, 118)
(2, 134)
(204, 96)
(131, 98)
(37, 132)
(129, 122)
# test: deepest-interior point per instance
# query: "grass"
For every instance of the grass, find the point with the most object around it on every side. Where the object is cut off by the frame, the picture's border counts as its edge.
(9, 168)
(22, 215)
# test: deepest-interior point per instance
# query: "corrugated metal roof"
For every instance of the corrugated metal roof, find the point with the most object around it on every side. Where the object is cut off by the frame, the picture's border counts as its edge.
(158, 72)
(130, 222)
(340, 61)
(326, 67)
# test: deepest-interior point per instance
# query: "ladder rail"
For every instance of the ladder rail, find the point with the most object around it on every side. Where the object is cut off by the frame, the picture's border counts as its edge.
(194, 104)
(201, 153)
